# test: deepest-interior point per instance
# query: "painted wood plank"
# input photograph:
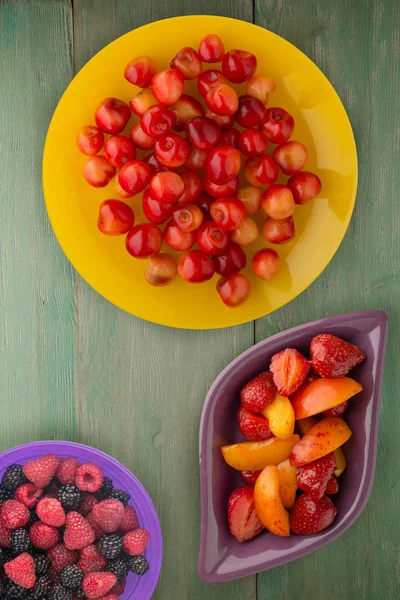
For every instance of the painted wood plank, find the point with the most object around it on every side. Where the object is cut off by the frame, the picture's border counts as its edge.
(37, 300)
(141, 386)
(358, 48)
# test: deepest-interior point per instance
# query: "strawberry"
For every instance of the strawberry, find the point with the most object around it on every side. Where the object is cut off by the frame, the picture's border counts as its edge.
(89, 477)
(258, 392)
(253, 427)
(89, 500)
(91, 560)
(308, 517)
(243, 521)
(129, 520)
(21, 570)
(78, 532)
(135, 542)
(332, 486)
(289, 369)
(4, 537)
(249, 477)
(337, 410)
(66, 470)
(333, 357)
(40, 471)
(313, 478)
(97, 584)
(43, 536)
(28, 494)
(50, 511)
(108, 514)
(14, 514)
(61, 557)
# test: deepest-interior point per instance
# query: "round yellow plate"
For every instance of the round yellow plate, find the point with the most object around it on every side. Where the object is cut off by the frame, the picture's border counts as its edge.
(321, 123)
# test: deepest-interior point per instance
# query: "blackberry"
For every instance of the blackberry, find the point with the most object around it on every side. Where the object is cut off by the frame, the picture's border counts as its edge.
(105, 490)
(119, 567)
(2, 589)
(42, 564)
(59, 592)
(14, 477)
(5, 556)
(120, 495)
(19, 540)
(71, 577)
(69, 496)
(5, 494)
(15, 592)
(42, 588)
(110, 545)
(138, 564)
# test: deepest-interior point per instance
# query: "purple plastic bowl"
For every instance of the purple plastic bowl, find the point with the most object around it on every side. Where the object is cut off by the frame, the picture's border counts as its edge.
(137, 588)
(221, 556)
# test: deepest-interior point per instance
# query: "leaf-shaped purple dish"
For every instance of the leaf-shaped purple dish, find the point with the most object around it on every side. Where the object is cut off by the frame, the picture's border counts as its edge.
(221, 556)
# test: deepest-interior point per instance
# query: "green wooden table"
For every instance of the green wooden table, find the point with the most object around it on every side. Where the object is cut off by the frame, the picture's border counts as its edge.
(73, 366)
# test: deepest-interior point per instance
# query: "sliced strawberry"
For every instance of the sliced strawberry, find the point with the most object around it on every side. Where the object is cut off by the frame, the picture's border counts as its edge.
(308, 517)
(258, 392)
(332, 486)
(254, 427)
(333, 357)
(243, 521)
(336, 411)
(289, 369)
(313, 478)
(249, 477)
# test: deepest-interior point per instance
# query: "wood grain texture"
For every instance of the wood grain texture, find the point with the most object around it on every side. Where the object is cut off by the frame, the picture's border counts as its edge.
(357, 45)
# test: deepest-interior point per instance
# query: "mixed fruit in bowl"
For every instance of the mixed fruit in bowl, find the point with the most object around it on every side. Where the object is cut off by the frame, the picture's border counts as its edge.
(293, 417)
(207, 169)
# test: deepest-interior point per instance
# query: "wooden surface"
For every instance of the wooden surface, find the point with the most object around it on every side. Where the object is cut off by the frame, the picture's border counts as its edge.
(72, 366)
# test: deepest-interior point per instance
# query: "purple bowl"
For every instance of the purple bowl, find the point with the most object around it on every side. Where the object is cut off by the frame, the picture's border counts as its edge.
(137, 588)
(221, 556)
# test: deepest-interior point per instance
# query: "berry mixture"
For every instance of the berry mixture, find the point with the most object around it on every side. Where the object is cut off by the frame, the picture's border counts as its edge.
(205, 168)
(290, 477)
(66, 533)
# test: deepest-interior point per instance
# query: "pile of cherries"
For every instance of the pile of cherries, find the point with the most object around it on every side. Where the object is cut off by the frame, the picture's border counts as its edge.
(212, 211)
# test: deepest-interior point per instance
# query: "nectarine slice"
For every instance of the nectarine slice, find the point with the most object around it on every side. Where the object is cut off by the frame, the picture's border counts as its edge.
(254, 456)
(341, 462)
(287, 483)
(319, 395)
(305, 425)
(280, 415)
(324, 437)
(268, 502)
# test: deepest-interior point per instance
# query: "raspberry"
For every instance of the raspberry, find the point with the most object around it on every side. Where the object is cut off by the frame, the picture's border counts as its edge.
(110, 545)
(71, 577)
(21, 570)
(5, 494)
(138, 564)
(42, 587)
(98, 584)
(50, 511)
(119, 567)
(135, 542)
(40, 471)
(43, 536)
(60, 557)
(106, 489)
(33, 518)
(70, 497)
(42, 564)
(59, 592)
(19, 540)
(13, 514)
(5, 537)
(108, 514)
(120, 495)
(118, 588)
(89, 477)
(91, 560)
(28, 494)
(88, 502)
(78, 532)
(96, 528)
(66, 470)
(129, 520)
(13, 477)
(109, 597)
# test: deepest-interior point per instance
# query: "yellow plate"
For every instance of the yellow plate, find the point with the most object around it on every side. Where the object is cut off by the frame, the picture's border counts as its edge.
(321, 123)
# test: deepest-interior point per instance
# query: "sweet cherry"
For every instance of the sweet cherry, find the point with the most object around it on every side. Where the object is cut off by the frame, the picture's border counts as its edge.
(203, 133)
(178, 239)
(251, 112)
(278, 202)
(98, 172)
(278, 232)
(141, 103)
(188, 217)
(260, 87)
(196, 160)
(246, 233)
(230, 137)
(211, 49)
(222, 100)
(167, 86)
(291, 157)
(266, 264)
(144, 240)
(157, 121)
(230, 260)
(234, 289)
(140, 71)
(167, 187)
(112, 115)
(278, 125)
(90, 140)
(305, 187)
(140, 138)
(193, 186)
(238, 66)
(222, 164)
(261, 170)
(118, 189)
(228, 213)
(135, 176)
(195, 266)
(208, 80)
(185, 109)
(161, 270)
(119, 150)
(171, 150)
(224, 122)
(188, 62)
(251, 197)
(115, 217)
(220, 191)
(154, 210)
(210, 238)
(252, 143)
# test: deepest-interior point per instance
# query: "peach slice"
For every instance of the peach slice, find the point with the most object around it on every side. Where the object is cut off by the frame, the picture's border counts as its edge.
(268, 502)
(341, 462)
(305, 425)
(324, 437)
(280, 415)
(319, 395)
(254, 456)
(287, 483)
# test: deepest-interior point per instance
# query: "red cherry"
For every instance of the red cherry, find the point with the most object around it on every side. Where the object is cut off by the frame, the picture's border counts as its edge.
(228, 213)
(121, 192)
(211, 49)
(220, 191)
(222, 164)
(167, 86)
(203, 133)
(261, 170)
(252, 143)
(141, 103)
(167, 187)
(188, 217)
(119, 150)
(278, 232)
(98, 172)
(195, 266)
(231, 259)
(185, 109)
(144, 240)
(171, 150)
(266, 264)
(115, 217)
(178, 239)
(210, 238)
(208, 80)
(140, 71)
(188, 62)
(222, 100)
(155, 164)
(224, 122)
(112, 115)
(230, 137)
(234, 290)
(278, 125)
(305, 187)
(154, 210)
(161, 270)
(251, 197)
(238, 65)
(157, 121)
(193, 186)
(196, 160)
(291, 157)
(90, 140)
(135, 176)
(140, 139)
(251, 112)
(260, 87)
